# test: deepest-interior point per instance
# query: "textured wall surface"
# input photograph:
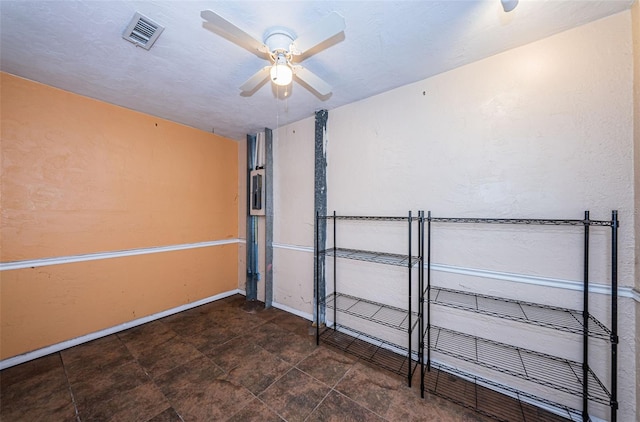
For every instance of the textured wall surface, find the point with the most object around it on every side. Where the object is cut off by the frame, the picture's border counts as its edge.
(541, 131)
(294, 215)
(635, 19)
(80, 176)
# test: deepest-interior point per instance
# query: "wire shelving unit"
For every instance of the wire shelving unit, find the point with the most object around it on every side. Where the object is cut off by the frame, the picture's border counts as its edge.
(562, 375)
(398, 358)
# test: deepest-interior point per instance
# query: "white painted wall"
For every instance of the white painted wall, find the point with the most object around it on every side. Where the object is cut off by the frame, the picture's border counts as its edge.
(293, 191)
(635, 18)
(541, 131)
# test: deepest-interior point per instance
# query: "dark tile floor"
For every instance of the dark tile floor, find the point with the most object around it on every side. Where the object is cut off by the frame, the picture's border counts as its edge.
(215, 362)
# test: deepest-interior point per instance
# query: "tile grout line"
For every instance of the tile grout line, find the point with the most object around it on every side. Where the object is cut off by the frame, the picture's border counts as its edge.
(73, 397)
(144, 369)
(292, 367)
(343, 395)
(146, 372)
(349, 398)
(319, 403)
(314, 378)
(273, 410)
(331, 388)
(364, 407)
(226, 373)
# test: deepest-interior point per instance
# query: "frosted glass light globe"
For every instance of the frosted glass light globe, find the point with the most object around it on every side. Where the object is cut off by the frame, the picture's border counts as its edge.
(281, 74)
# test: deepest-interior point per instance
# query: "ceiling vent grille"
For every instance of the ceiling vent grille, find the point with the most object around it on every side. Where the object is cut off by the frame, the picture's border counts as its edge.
(142, 31)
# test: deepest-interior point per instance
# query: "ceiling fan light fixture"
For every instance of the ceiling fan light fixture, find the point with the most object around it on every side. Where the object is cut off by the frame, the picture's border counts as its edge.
(282, 50)
(281, 72)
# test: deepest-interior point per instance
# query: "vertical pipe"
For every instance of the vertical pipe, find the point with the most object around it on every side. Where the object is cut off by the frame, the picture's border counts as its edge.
(320, 199)
(256, 256)
(585, 322)
(268, 220)
(614, 315)
(251, 283)
(410, 299)
(428, 332)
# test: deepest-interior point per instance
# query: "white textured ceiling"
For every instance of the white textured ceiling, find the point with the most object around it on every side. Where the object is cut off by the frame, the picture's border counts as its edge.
(191, 75)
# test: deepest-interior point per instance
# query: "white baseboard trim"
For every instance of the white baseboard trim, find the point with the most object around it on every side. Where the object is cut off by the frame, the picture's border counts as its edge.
(42, 262)
(293, 311)
(16, 360)
(285, 308)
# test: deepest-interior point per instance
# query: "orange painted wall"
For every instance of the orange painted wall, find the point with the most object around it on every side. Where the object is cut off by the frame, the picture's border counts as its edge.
(82, 176)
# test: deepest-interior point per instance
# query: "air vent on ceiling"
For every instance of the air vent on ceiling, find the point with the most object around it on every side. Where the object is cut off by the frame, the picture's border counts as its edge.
(142, 31)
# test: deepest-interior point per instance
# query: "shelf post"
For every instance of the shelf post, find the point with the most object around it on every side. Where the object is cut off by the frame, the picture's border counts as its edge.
(409, 264)
(428, 331)
(335, 260)
(614, 315)
(421, 293)
(335, 272)
(585, 322)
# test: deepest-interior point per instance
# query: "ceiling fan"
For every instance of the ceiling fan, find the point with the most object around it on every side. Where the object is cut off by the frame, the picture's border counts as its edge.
(281, 49)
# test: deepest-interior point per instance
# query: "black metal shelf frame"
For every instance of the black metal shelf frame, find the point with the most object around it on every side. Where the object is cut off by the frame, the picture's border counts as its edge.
(575, 378)
(404, 320)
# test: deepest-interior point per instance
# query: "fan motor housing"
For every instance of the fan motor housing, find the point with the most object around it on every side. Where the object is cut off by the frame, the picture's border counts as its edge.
(278, 39)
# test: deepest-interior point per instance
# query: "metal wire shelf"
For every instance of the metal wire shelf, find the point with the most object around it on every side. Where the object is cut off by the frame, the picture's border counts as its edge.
(368, 310)
(366, 217)
(369, 348)
(369, 256)
(528, 221)
(563, 319)
(489, 398)
(547, 370)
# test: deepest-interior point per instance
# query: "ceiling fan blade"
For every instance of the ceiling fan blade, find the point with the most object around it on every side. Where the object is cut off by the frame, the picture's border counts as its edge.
(221, 26)
(254, 82)
(312, 80)
(328, 27)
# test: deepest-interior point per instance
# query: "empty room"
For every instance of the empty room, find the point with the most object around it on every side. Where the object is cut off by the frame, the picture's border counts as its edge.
(320, 210)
